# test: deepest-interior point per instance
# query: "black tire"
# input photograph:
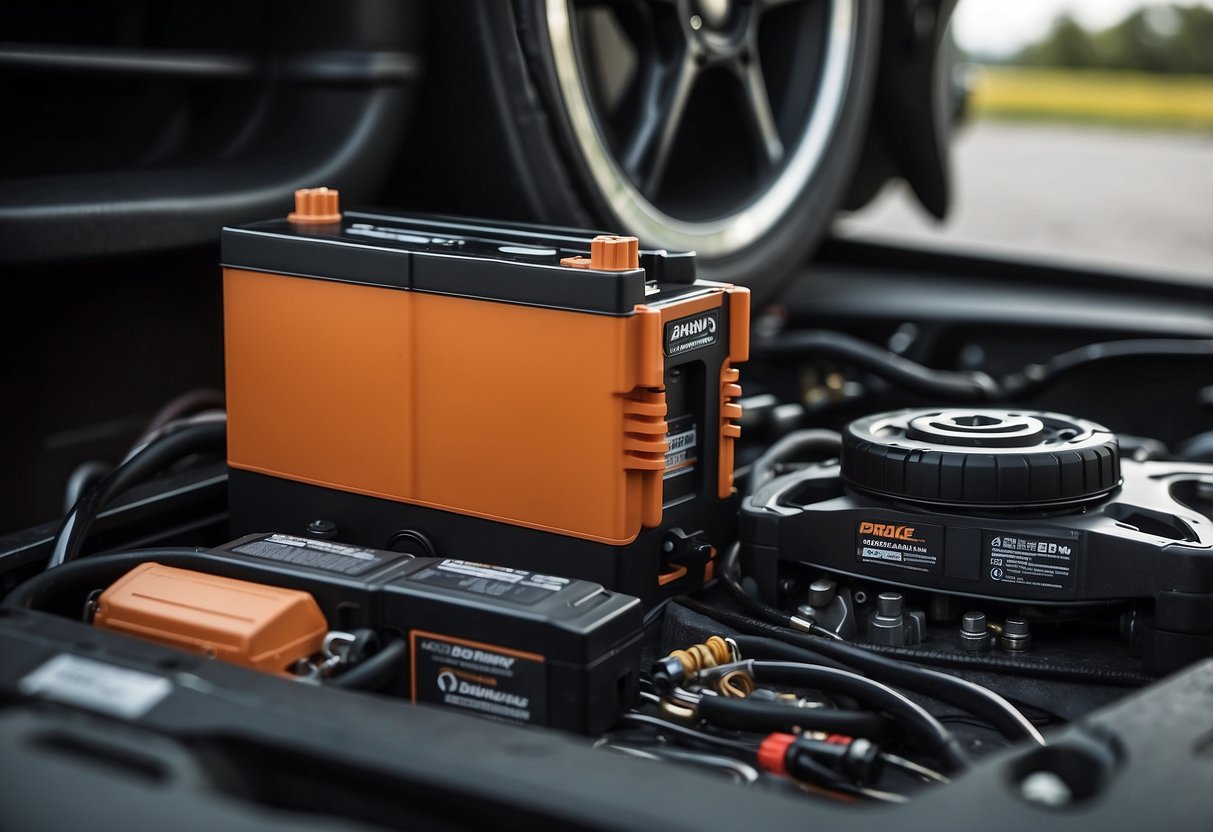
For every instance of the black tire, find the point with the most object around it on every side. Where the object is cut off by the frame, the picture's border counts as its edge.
(566, 169)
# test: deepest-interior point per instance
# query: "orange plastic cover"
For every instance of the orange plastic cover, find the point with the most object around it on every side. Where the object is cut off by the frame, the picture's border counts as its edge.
(543, 418)
(263, 627)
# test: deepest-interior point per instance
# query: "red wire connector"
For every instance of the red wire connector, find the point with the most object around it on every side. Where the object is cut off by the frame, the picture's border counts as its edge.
(772, 753)
(802, 758)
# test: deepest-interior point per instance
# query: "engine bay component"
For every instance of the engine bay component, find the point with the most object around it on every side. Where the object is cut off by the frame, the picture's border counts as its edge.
(891, 624)
(537, 397)
(670, 671)
(975, 633)
(1107, 753)
(255, 625)
(988, 458)
(1016, 635)
(1014, 506)
(800, 757)
(490, 640)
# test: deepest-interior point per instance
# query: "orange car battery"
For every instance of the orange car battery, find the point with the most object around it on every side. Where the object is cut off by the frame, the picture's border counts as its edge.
(542, 398)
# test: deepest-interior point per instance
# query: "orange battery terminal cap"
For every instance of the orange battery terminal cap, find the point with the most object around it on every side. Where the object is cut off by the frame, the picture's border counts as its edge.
(608, 253)
(314, 206)
(255, 625)
(773, 753)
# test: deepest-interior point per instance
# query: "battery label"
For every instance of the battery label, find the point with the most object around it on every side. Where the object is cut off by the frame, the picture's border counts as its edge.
(318, 554)
(695, 332)
(683, 452)
(483, 678)
(515, 585)
(1030, 560)
(97, 686)
(917, 548)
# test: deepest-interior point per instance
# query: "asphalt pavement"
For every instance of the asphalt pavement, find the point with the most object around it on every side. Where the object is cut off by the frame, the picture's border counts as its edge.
(1090, 196)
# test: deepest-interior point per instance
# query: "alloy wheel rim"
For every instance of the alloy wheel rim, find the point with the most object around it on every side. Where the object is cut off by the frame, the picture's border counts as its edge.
(699, 39)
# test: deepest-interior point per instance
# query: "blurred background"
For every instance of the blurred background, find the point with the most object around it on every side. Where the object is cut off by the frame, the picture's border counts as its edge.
(1088, 139)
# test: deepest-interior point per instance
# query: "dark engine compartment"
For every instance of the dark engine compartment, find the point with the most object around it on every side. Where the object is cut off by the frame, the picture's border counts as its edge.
(1077, 653)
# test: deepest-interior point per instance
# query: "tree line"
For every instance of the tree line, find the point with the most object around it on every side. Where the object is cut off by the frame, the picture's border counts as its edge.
(1163, 38)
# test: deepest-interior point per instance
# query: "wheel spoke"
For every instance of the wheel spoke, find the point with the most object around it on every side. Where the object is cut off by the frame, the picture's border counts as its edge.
(663, 105)
(761, 118)
(765, 77)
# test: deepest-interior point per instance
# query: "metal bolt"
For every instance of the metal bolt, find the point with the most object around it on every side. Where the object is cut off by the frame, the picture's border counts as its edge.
(1016, 636)
(889, 604)
(821, 592)
(974, 634)
(887, 624)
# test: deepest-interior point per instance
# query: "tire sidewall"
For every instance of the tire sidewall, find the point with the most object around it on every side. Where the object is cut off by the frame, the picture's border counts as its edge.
(766, 263)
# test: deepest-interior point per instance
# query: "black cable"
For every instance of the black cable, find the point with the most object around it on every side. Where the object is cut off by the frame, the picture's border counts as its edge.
(764, 647)
(952, 386)
(375, 672)
(821, 774)
(741, 772)
(922, 729)
(81, 477)
(79, 577)
(1053, 671)
(916, 770)
(796, 443)
(970, 386)
(975, 699)
(82, 576)
(737, 621)
(763, 610)
(765, 717)
(189, 402)
(158, 455)
(1032, 378)
(673, 729)
(972, 698)
(961, 693)
(825, 775)
(737, 592)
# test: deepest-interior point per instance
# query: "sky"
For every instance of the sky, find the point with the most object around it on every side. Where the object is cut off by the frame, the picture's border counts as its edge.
(1002, 27)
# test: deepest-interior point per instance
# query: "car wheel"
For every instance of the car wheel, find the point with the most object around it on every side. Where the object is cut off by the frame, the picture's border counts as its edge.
(727, 127)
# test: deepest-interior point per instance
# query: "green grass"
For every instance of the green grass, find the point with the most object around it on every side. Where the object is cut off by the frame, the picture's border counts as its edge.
(1094, 96)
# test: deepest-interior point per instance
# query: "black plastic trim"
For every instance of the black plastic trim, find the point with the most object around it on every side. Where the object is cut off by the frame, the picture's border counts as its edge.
(394, 765)
(320, 98)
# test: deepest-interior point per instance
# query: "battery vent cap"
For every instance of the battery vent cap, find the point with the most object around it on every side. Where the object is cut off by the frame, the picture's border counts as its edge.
(315, 206)
(608, 253)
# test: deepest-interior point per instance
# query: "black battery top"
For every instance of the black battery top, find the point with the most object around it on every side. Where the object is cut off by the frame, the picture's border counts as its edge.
(511, 263)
